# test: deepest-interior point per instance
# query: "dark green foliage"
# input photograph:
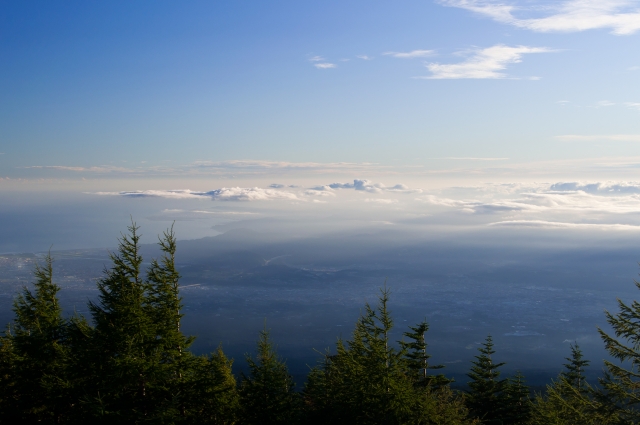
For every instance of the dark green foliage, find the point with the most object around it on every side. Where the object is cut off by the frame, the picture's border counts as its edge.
(369, 381)
(33, 355)
(621, 383)
(417, 358)
(484, 397)
(267, 393)
(122, 341)
(574, 373)
(515, 401)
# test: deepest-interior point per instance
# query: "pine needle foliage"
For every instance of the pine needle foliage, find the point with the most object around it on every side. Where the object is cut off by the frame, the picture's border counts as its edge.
(267, 392)
(484, 397)
(621, 382)
(33, 354)
(369, 381)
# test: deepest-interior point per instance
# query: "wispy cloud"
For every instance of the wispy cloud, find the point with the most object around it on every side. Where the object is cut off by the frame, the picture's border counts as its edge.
(317, 59)
(365, 57)
(622, 17)
(223, 194)
(381, 201)
(472, 158)
(410, 55)
(599, 137)
(324, 65)
(633, 105)
(483, 64)
(563, 225)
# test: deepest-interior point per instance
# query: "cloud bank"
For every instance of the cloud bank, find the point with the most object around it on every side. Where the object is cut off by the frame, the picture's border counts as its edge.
(223, 194)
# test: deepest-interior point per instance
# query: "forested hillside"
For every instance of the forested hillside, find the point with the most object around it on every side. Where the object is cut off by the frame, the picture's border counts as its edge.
(130, 363)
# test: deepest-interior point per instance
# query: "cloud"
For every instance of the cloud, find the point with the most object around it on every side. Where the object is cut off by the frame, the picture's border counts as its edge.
(566, 198)
(484, 64)
(381, 201)
(622, 17)
(564, 225)
(223, 194)
(471, 158)
(633, 105)
(324, 65)
(368, 186)
(316, 59)
(599, 137)
(410, 55)
(276, 186)
(95, 169)
(598, 187)
(190, 215)
(365, 57)
(604, 104)
(258, 165)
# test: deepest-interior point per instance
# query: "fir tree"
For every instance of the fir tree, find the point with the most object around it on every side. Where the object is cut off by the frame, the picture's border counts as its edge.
(574, 373)
(34, 354)
(368, 381)
(484, 397)
(515, 401)
(417, 358)
(122, 339)
(621, 384)
(267, 394)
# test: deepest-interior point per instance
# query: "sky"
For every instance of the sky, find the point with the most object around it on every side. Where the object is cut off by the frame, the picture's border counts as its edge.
(520, 114)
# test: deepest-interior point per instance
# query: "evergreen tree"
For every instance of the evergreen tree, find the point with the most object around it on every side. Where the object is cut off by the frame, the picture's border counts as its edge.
(34, 355)
(516, 402)
(574, 373)
(122, 339)
(621, 384)
(208, 392)
(484, 397)
(168, 355)
(417, 359)
(267, 394)
(368, 381)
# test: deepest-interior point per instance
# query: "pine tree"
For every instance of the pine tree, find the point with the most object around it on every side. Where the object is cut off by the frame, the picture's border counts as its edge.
(122, 339)
(34, 354)
(574, 373)
(169, 354)
(208, 391)
(267, 394)
(368, 381)
(417, 358)
(621, 383)
(484, 397)
(516, 401)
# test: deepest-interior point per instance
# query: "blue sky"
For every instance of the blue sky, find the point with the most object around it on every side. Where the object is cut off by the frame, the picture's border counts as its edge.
(88, 84)
(120, 97)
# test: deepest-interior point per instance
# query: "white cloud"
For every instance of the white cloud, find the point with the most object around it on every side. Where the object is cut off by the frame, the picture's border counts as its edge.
(365, 57)
(484, 64)
(622, 17)
(316, 59)
(564, 225)
(633, 105)
(368, 186)
(604, 103)
(471, 158)
(381, 201)
(599, 137)
(324, 65)
(189, 215)
(223, 194)
(410, 55)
